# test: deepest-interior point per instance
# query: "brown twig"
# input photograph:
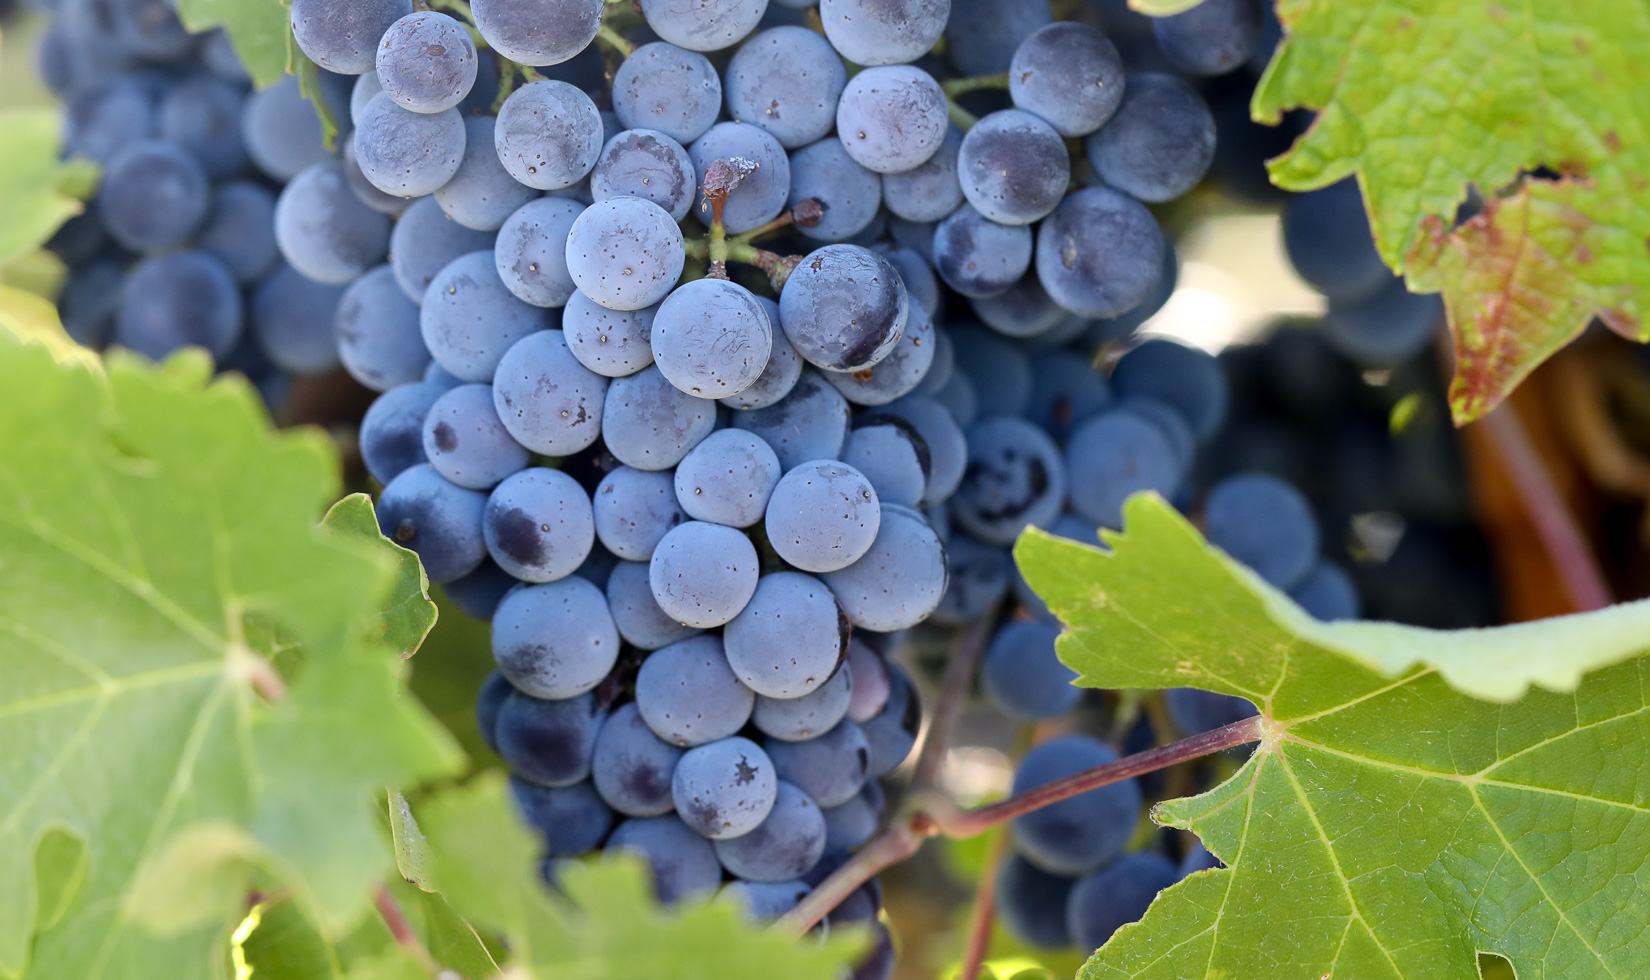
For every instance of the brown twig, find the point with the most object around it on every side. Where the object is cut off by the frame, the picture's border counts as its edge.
(946, 818)
(959, 676)
(931, 813)
(985, 911)
(396, 921)
(1563, 540)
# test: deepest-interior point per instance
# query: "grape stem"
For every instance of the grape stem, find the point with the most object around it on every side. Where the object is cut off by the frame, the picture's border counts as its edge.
(985, 910)
(930, 814)
(396, 921)
(957, 86)
(959, 674)
(461, 10)
(509, 74)
(1556, 527)
(614, 40)
(963, 119)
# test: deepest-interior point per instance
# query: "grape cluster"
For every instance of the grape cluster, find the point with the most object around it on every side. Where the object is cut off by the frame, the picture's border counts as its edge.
(178, 247)
(702, 505)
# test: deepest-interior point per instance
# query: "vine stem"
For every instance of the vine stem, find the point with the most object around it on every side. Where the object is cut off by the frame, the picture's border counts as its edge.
(931, 814)
(959, 674)
(613, 39)
(396, 921)
(957, 86)
(964, 119)
(985, 911)
(1554, 524)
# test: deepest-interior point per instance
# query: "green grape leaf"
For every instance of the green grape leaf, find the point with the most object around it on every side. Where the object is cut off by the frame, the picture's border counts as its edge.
(187, 689)
(1424, 100)
(259, 30)
(38, 191)
(309, 83)
(277, 941)
(1389, 824)
(605, 923)
(408, 612)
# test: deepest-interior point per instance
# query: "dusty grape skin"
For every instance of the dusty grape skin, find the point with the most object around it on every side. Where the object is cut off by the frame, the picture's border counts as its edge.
(790, 637)
(377, 332)
(291, 319)
(689, 696)
(1212, 38)
(481, 194)
(929, 191)
(1015, 478)
(634, 509)
(727, 478)
(900, 580)
(631, 766)
(441, 521)
(1022, 675)
(979, 257)
(538, 32)
(849, 193)
(548, 401)
(1070, 75)
(625, 253)
(703, 574)
(947, 446)
(786, 80)
(531, 251)
(830, 768)
(1013, 167)
(343, 37)
(650, 424)
(538, 525)
(883, 32)
(822, 516)
(408, 154)
(468, 319)
(426, 62)
(1100, 253)
(684, 864)
(648, 164)
(1265, 523)
(666, 88)
(324, 231)
(892, 118)
(811, 422)
(983, 35)
(703, 25)
(609, 342)
(799, 719)
(1114, 455)
(784, 846)
(1159, 144)
(636, 613)
(176, 300)
(424, 241)
(844, 308)
(1104, 902)
(711, 338)
(571, 819)
(392, 431)
(467, 443)
(548, 134)
(1079, 834)
(781, 374)
(892, 456)
(239, 230)
(555, 640)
